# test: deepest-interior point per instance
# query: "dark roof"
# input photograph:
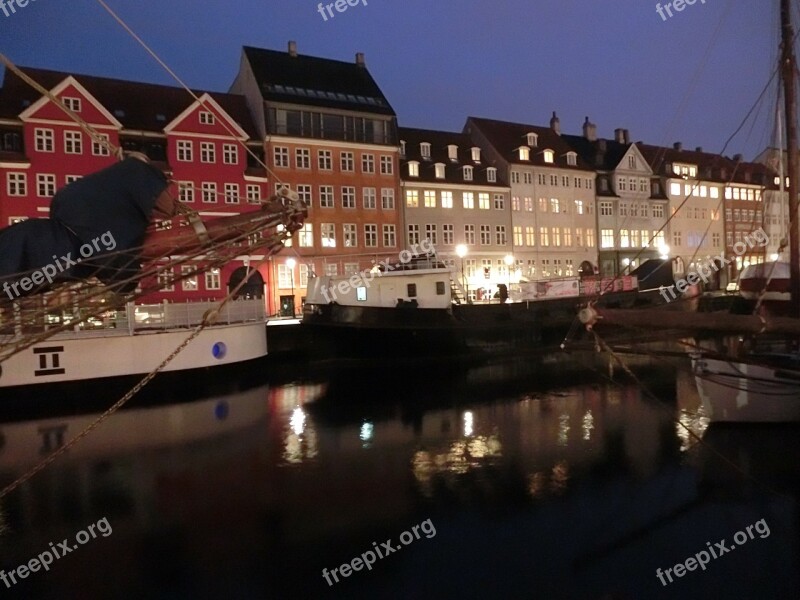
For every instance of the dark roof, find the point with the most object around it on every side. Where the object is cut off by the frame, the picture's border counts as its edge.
(439, 141)
(144, 106)
(507, 137)
(603, 155)
(312, 81)
(711, 167)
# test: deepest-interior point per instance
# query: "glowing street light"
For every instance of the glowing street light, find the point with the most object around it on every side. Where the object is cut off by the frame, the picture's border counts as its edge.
(509, 261)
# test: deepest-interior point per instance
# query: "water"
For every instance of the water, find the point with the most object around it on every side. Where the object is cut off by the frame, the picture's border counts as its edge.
(582, 491)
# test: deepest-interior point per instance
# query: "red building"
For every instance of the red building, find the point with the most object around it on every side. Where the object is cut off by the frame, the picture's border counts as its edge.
(198, 144)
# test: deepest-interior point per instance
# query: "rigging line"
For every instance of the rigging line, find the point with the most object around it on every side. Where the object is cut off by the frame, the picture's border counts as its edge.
(88, 129)
(208, 319)
(174, 75)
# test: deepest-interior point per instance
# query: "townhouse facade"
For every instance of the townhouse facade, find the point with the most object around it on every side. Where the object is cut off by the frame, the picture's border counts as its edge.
(330, 134)
(552, 196)
(199, 144)
(454, 199)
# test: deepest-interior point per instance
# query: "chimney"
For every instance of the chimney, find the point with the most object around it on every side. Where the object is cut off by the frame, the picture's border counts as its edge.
(626, 136)
(555, 124)
(589, 130)
(698, 149)
(678, 146)
(737, 157)
(360, 59)
(292, 48)
(619, 136)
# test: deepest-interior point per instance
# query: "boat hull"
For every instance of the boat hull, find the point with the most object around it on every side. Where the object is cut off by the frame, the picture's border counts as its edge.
(740, 392)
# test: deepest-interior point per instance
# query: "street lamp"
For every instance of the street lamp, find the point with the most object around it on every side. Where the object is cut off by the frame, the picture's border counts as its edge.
(509, 261)
(461, 251)
(290, 262)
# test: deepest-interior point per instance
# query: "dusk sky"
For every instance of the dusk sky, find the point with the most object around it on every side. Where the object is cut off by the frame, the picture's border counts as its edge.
(689, 78)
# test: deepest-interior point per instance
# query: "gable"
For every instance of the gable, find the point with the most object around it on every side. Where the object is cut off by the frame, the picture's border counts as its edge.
(91, 110)
(189, 121)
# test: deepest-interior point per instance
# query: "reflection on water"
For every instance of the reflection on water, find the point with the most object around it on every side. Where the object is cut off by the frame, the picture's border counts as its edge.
(579, 491)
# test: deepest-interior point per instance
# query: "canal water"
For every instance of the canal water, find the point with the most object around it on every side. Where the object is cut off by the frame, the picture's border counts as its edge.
(503, 481)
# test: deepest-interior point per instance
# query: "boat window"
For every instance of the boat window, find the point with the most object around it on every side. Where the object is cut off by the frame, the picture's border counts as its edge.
(412, 290)
(440, 288)
(361, 294)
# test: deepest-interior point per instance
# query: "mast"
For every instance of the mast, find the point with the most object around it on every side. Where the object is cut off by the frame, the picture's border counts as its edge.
(788, 66)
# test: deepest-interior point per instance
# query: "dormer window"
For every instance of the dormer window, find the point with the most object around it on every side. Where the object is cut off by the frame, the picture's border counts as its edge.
(572, 159)
(549, 156)
(402, 147)
(206, 118)
(439, 168)
(467, 173)
(524, 153)
(491, 175)
(452, 152)
(476, 154)
(425, 150)
(413, 169)
(533, 140)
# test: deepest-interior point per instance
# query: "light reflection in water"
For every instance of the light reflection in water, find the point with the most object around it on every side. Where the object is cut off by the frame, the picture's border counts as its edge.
(300, 442)
(468, 423)
(588, 425)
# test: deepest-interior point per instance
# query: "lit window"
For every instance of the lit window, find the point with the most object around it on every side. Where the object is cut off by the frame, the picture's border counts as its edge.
(412, 198)
(328, 233)
(549, 156)
(413, 169)
(430, 199)
(491, 175)
(467, 173)
(447, 199)
(439, 170)
(213, 279)
(524, 153)
(188, 278)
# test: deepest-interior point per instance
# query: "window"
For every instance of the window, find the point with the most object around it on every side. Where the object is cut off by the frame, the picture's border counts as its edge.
(209, 192)
(305, 236)
(425, 149)
(430, 198)
(350, 237)
(567, 236)
(524, 153)
(533, 139)
(331, 269)
(514, 177)
(572, 159)
(469, 199)
(556, 236)
(304, 192)
(527, 178)
(606, 209)
(44, 140)
(99, 148)
(212, 279)
(387, 198)
(528, 204)
(370, 235)
(208, 152)
(302, 158)
(369, 196)
(431, 233)
(412, 198)
(285, 276)
(17, 184)
(499, 202)
(253, 193)
(186, 191)
(368, 163)
(517, 235)
(326, 198)
(448, 234)
(544, 236)
(165, 280)
(623, 209)
(677, 239)
(389, 236)
(622, 184)
(73, 142)
(387, 165)
(515, 205)
(189, 278)
(439, 170)
(715, 239)
(564, 181)
(549, 156)
(185, 151)
(328, 233)
(206, 118)
(483, 201)
(413, 234)
(553, 179)
(486, 235)
(579, 207)
(607, 238)
(70, 178)
(347, 162)
(230, 155)
(555, 205)
(74, 104)
(447, 199)
(675, 189)
(713, 192)
(491, 175)
(231, 193)
(413, 168)
(624, 238)
(500, 235)
(468, 173)
(303, 268)
(348, 197)
(325, 160)
(658, 211)
(530, 236)
(541, 178)
(281, 156)
(45, 185)
(469, 235)
(590, 238)
(350, 268)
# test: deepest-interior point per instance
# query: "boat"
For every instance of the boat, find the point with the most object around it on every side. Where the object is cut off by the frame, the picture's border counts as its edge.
(418, 308)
